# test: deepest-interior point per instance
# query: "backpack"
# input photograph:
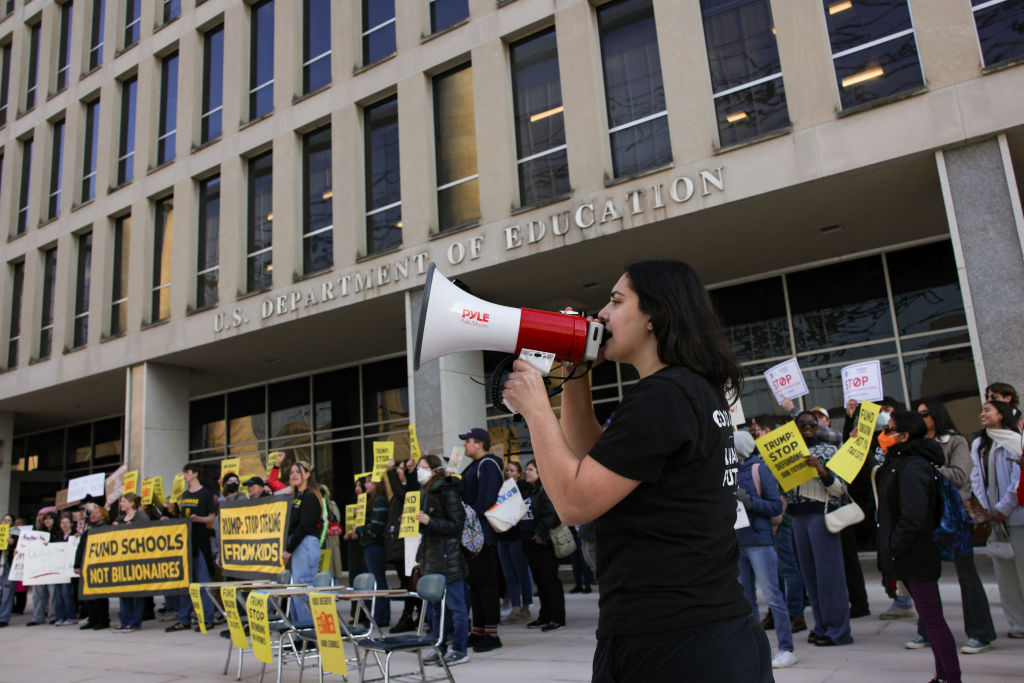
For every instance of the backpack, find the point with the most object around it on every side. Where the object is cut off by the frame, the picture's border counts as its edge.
(954, 535)
(472, 532)
(775, 519)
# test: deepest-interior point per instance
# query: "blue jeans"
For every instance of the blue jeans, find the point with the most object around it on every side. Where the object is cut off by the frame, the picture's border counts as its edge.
(759, 563)
(41, 603)
(790, 581)
(64, 602)
(456, 618)
(201, 574)
(581, 572)
(516, 571)
(305, 561)
(374, 556)
(6, 597)
(131, 612)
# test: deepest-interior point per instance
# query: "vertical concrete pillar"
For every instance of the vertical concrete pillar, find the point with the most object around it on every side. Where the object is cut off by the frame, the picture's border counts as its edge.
(987, 229)
(6, 452)
(156, 403)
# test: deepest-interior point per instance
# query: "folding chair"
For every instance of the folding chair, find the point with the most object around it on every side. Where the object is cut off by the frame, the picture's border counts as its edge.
(284, 577)
(430, 588)
(289, 632)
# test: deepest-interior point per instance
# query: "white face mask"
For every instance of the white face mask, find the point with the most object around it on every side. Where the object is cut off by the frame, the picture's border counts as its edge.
(883, 419)
(423, 475)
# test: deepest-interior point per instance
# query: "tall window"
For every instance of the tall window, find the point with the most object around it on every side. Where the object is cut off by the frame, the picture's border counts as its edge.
(445, 13)
(261, 59)
(163, 240)
(318, 215)
(132, 21)
(316, 44)
(1000, 25)
(119, 282)
(83, 279)
(56, 170)
(378, 29)
(26, 178)
(259, 262)
(208, 258)
(46, 317)
(17, 288)
(458, 186)
(383, 187)
(5, 81)
(33, 67)
(637, 118)
(171, 10)
(92, 137)
(64, 47)
(213, 84)
(168, 109)
(541, 159)
(126, 136)
(874, 51)
(99, 8)
(746, 75)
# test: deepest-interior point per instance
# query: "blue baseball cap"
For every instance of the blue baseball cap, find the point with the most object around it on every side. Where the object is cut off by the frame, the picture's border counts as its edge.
(478, 433)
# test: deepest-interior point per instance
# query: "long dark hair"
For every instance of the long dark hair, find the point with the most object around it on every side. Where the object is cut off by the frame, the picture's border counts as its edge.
(685, 323)
(940, 416)
(1005, 411)
(910, 423)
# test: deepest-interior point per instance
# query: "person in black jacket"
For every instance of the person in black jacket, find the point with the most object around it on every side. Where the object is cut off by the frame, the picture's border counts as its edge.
(909, 508)
(304, 533)
(401, 478)
(97, 610)
(534, 529)
(441, 521)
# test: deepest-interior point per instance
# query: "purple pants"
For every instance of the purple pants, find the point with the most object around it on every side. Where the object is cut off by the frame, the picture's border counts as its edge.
(929, 607)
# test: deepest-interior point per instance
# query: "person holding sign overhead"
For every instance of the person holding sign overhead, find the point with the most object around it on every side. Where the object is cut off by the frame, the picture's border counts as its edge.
(660, 482)
(304, 532)
(819, 551)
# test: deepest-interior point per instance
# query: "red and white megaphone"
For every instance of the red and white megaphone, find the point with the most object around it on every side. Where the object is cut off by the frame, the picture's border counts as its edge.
(452, 320)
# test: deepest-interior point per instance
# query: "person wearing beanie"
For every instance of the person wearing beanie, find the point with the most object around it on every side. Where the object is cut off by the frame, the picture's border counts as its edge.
(758, 491)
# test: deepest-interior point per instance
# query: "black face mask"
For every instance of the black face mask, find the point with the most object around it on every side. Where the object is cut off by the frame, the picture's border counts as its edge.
(231, 487)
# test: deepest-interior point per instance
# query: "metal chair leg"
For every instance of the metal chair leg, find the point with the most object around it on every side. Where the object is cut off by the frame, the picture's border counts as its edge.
(447, 671)
(227, 662)
(387, 667)
(238, 677)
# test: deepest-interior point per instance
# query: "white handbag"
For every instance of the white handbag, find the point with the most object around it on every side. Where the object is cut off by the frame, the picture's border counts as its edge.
(843, 516)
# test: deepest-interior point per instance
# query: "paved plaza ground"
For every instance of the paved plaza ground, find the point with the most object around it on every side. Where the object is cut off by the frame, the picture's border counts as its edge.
(45, 653)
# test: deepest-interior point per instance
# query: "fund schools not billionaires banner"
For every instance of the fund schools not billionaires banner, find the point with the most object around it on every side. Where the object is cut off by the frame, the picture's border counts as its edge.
(153, 558)
(252, 536)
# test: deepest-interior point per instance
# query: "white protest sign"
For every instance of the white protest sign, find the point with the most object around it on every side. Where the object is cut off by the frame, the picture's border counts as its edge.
(412, 544)
(26, 546)
(863, 382)
(89, 485)
(50, 563)
(736, 413)
(458, 462)
(741, 517)
(786, 380)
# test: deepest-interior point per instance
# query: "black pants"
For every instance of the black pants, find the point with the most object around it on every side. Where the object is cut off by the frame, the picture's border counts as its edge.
(483, 587)
(854, 575)
(544, 567)
(731, 651)
(98, 611)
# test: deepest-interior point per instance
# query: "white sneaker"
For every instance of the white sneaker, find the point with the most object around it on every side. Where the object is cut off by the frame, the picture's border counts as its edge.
(784, 659)
(896, 612)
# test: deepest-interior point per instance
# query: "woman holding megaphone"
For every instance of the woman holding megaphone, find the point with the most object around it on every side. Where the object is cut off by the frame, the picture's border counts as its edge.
(659, 481)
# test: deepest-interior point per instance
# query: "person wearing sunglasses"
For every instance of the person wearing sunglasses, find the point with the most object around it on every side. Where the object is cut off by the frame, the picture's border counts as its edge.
(908, 509)
(956, 468)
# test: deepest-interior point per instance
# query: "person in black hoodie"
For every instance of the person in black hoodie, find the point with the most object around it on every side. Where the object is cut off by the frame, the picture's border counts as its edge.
(97, 610)
(401, 478)
(305, 532)
(909, 508)
(534, 529)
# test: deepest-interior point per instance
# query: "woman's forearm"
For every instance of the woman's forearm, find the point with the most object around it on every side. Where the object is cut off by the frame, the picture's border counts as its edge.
(579, 424)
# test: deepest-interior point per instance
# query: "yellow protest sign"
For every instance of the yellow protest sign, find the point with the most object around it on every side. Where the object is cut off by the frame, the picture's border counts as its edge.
(414, 443)
(410, 526)
(362, 475)
(325, 560)
(328, 635)
(849, 459)
(361, 510)
(229, 465)
(177, 488)
(252, 536)
(131, 482)
(195, 592)
(229, 598)
(5, 533)
(158, 489)
(147, 491)
(149, 558)
(383, 451)
(784, 451)
(350, 517)
(259, 626)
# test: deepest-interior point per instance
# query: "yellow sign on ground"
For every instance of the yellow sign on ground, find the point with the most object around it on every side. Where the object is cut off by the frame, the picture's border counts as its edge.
(177, 488)
(149, 558)
(131, 482)
(328, 634)
(229, 597)
(410, 526)
(784, 451)
(259, 626)
(252, 534)
(361, 510)
(229, 465)
(383, 451)
(196, 593)
(414, 443)
(849, 459)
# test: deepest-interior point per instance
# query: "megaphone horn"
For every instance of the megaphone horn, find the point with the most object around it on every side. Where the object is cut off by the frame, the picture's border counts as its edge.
(452, 320)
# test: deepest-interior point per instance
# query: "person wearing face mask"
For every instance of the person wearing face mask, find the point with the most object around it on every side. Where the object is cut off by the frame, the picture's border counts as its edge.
(819, 551)
(230, 488)
(909, 508)
(995, 477)
(441, 520)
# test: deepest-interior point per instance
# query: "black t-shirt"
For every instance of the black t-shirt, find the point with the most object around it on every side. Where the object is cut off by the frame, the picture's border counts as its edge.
(198, 503)
(667, 553)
